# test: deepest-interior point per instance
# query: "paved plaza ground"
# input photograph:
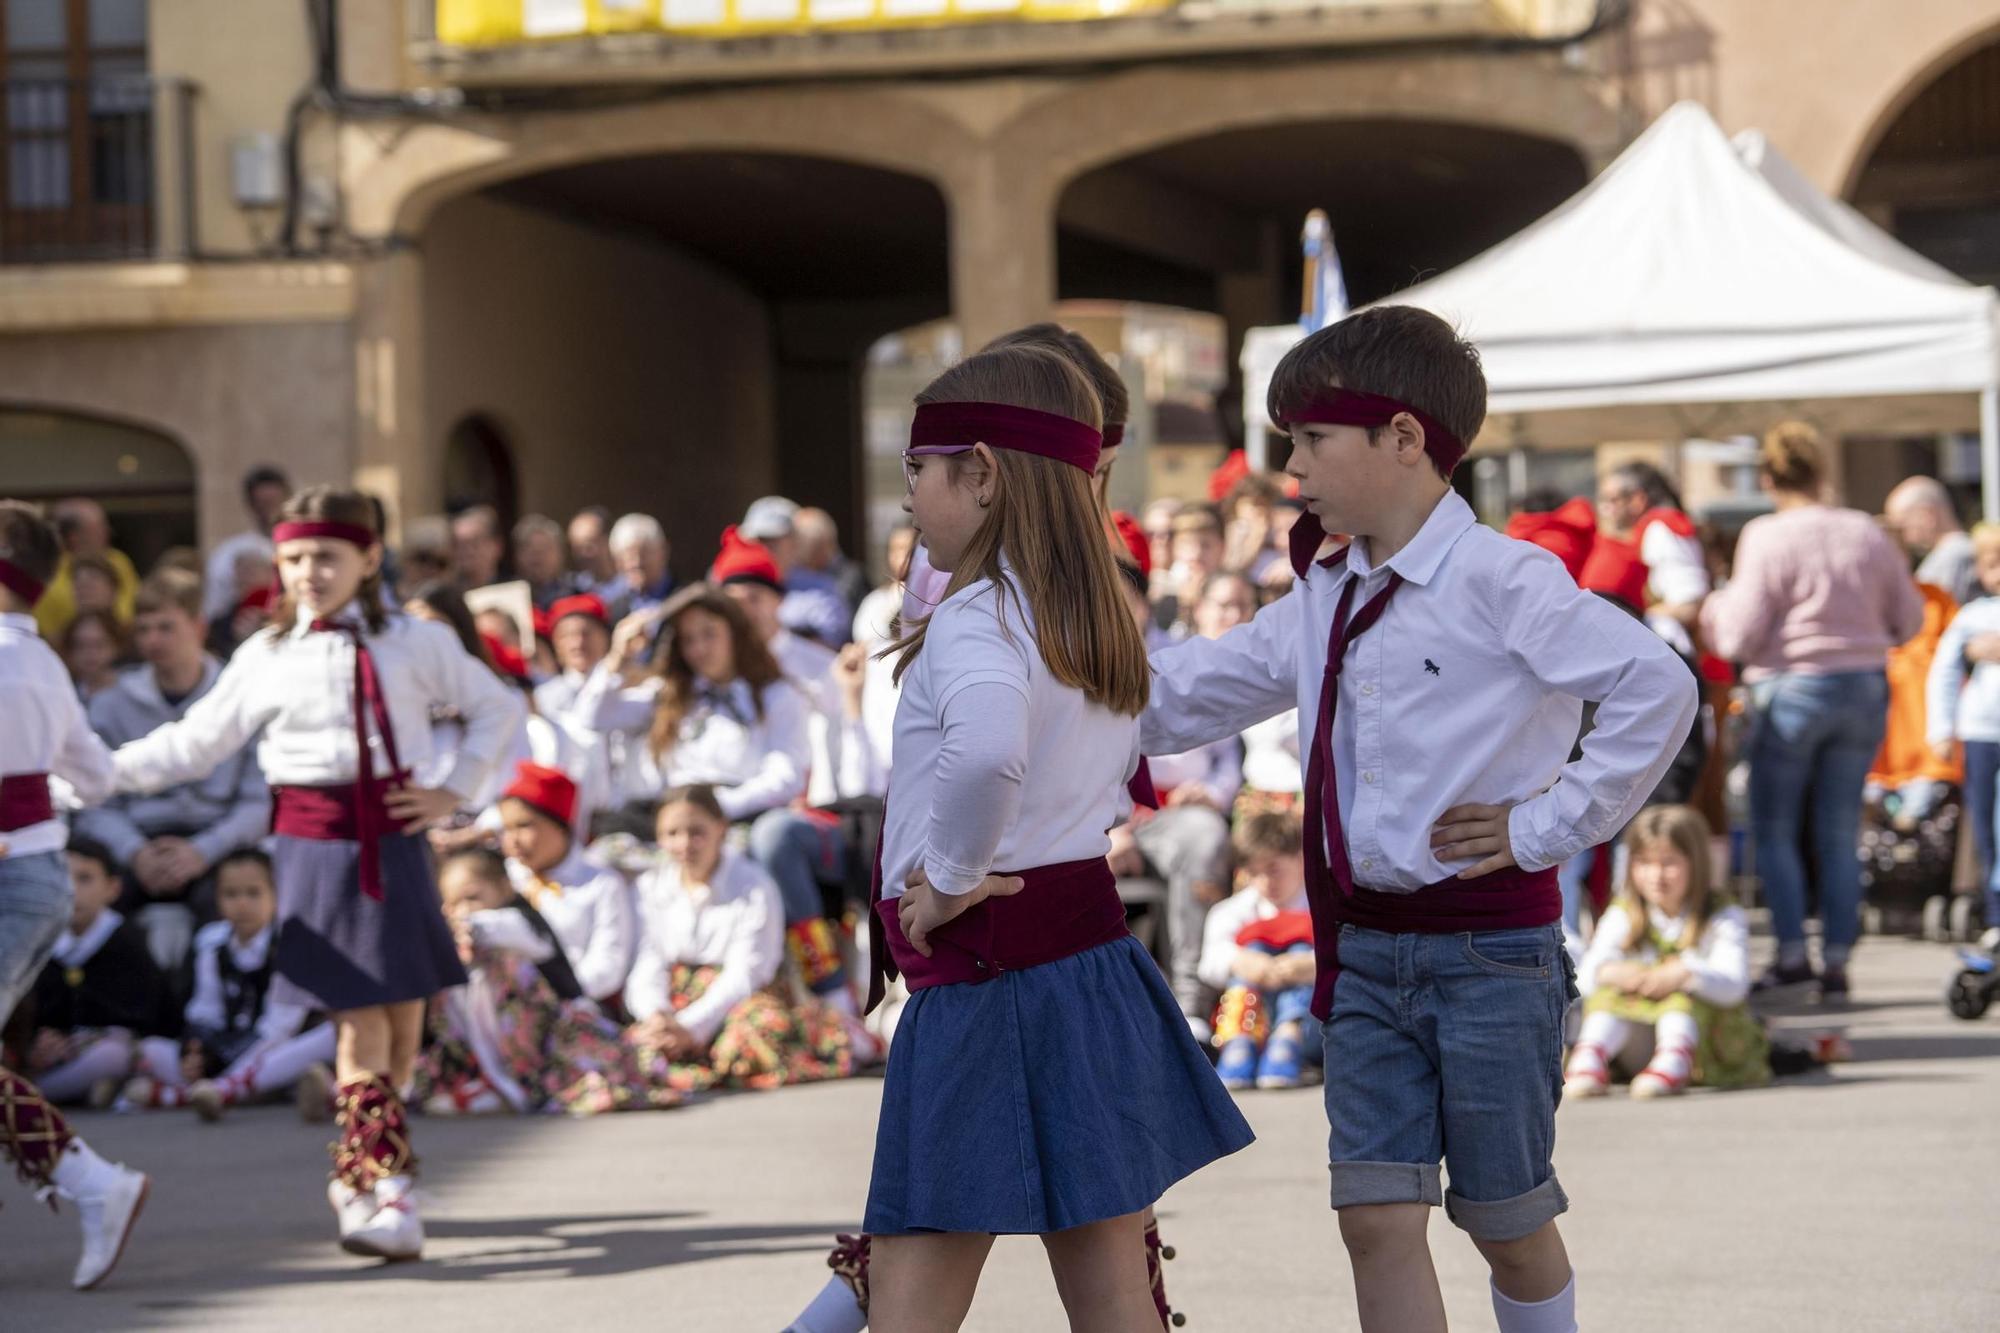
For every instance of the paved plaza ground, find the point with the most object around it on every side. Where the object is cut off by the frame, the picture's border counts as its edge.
(1863, 1200)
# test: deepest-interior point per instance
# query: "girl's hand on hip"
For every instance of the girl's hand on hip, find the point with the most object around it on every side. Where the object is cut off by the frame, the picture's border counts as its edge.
(417, 808)
(922, 909)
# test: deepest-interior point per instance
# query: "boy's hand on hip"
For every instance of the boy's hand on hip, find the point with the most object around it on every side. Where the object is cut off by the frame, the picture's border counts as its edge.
(922, 909)
(1468, 831)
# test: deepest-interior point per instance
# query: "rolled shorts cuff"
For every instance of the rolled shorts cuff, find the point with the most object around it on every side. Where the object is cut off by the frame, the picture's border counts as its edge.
(1508, 1219)
(1358, 1184)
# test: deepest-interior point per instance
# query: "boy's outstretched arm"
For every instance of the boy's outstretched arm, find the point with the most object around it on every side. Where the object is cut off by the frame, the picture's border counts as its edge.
(1206, 690)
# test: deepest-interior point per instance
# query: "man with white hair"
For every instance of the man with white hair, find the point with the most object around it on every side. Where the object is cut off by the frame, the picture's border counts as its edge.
(1921, 512)
(639, 545)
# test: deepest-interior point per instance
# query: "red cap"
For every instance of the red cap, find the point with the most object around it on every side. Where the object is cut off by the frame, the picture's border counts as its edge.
(744, 561)
(549, 790)
(1223, 480)
(1135, 541)
(1568, 533)
(507, 661)
(583, 604)
(1615, 570)
(258, 599)
(544, 622)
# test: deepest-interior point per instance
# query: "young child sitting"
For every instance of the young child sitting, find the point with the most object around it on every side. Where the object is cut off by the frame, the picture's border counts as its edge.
(237, 1045)
(519, 1035)
(100, 992)
(1671, 955)
(705, 992)
(588, 904)
(1257, 947)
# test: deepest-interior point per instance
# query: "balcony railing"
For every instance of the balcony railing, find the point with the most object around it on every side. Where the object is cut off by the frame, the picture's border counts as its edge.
(83, 178)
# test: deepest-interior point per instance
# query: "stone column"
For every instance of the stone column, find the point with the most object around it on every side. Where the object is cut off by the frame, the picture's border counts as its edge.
(397, 456)
(1003, 248)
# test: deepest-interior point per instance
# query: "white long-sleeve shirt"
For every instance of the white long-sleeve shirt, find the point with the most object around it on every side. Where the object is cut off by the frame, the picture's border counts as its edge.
(755, 764)
(1516, 648)
(1962, 699)
(1218, 768)
(998, 766)
(1719, 962)
(294, 692)
(1225, 920)
(1271, 754)
(207, 1007)
(841, 763)
(44, 731)
(590, 908)
(735, 923)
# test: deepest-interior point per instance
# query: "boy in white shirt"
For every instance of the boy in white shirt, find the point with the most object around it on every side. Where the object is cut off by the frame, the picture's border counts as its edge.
(1442, 668)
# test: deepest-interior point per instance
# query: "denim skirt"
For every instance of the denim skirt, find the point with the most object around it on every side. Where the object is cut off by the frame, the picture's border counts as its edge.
(1047, 1098)
(340, 949)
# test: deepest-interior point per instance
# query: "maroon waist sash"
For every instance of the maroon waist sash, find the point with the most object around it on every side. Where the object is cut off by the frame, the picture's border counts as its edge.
(1510, 899)
(25, 801)
(329, 814)
(1062, 910)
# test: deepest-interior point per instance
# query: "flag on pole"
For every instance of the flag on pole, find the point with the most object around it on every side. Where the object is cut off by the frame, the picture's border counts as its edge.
(1325, 299)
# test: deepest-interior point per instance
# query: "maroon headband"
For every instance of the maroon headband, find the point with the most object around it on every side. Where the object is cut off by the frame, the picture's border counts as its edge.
(293, 530)
(19, 582)
(1346, 407)
(1002, 426)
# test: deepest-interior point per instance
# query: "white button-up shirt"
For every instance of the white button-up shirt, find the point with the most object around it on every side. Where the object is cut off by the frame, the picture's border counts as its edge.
(45, 731)
(754, 763)
(1468, 690)
(735, 923)
(294, 692)
(589, 906)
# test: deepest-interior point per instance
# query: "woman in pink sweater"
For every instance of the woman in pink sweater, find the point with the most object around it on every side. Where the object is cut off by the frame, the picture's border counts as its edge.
(1818, 597)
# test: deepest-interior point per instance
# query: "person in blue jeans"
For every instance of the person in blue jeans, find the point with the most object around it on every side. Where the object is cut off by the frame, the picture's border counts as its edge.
(1962, 706)
(1257, 949)
(1818, 597)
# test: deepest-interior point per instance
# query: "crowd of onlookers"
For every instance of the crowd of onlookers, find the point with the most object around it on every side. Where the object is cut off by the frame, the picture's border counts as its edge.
(660, 893)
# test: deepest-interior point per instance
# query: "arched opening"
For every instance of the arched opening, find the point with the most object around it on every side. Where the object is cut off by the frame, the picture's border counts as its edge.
(144, 479)
(677, 333)
(479, 469)
(1212, 222)
(1933, 177)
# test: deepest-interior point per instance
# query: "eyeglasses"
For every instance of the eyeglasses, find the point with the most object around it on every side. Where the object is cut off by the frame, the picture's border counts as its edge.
(913, 456)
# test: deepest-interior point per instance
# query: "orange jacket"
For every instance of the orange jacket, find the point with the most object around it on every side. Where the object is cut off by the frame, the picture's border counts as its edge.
(1904, 756)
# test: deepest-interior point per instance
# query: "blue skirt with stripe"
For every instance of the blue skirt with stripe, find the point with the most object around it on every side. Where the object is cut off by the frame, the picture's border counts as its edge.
(1044, 1099)
(337, 948)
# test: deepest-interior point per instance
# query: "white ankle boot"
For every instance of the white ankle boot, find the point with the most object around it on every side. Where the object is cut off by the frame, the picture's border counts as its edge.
(108, 1197)
(352, 1207)
(393, 1231)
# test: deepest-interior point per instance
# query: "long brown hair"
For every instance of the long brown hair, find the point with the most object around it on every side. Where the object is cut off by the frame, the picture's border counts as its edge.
(754, 664)
(1679, 829)
(330, 504)
(1048, 522)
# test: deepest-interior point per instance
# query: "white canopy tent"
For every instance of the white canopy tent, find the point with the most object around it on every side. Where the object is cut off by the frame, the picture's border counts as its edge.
(1700, 289)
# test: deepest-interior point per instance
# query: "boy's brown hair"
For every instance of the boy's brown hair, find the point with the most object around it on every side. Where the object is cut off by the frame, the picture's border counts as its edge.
(27, 541)
(1268, 833)
(1396, 351)
(169, 590)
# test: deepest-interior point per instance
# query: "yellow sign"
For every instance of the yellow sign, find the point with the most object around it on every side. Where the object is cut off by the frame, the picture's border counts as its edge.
(506, 22)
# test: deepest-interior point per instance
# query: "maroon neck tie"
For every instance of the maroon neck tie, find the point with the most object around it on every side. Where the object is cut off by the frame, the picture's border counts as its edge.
(371, 822)
(1329, 877)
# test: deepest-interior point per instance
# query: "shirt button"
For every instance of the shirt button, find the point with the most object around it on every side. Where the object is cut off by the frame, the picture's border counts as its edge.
(1367, 864)
(1368, 778)
(1368, 689)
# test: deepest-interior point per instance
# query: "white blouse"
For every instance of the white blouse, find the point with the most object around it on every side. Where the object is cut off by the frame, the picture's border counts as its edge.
(997, 765)
(1719, 961)
(755, 764)
(45, 731)
(589, 906)
(736, 923)
(294, 693)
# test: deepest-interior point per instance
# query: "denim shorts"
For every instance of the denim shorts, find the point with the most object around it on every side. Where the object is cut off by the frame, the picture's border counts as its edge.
(1448, 1048)
(34, 908)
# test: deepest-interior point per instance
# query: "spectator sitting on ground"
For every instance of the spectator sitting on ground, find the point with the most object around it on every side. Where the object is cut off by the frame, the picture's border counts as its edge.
(540, 557)
(477, 548)
(813, 606)
(265, 490)
(587, 903)
(639, 545)
(84, 530)
(93, 648)
(580, 632)
(170, 841)
(1921, 512)
(1257, 950)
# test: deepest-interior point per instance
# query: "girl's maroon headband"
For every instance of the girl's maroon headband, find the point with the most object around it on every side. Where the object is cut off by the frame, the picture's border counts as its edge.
(1346, 407)
(1003, 426)
(294, 530)
(19, 582)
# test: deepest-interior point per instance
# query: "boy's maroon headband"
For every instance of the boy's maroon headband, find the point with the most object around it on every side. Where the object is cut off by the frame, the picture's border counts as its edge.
(300, 529)
(1003, 426)
(1346, 407)
(19, 582)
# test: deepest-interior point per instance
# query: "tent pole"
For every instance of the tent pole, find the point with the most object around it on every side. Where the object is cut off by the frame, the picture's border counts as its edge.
(1989, 452)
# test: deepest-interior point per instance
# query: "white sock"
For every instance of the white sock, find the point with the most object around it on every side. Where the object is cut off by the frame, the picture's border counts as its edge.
(1557, 1314)
(1675, 1037)
(280, 1066)
(160, 1060)
(832, 1311)
(1598, 1044)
